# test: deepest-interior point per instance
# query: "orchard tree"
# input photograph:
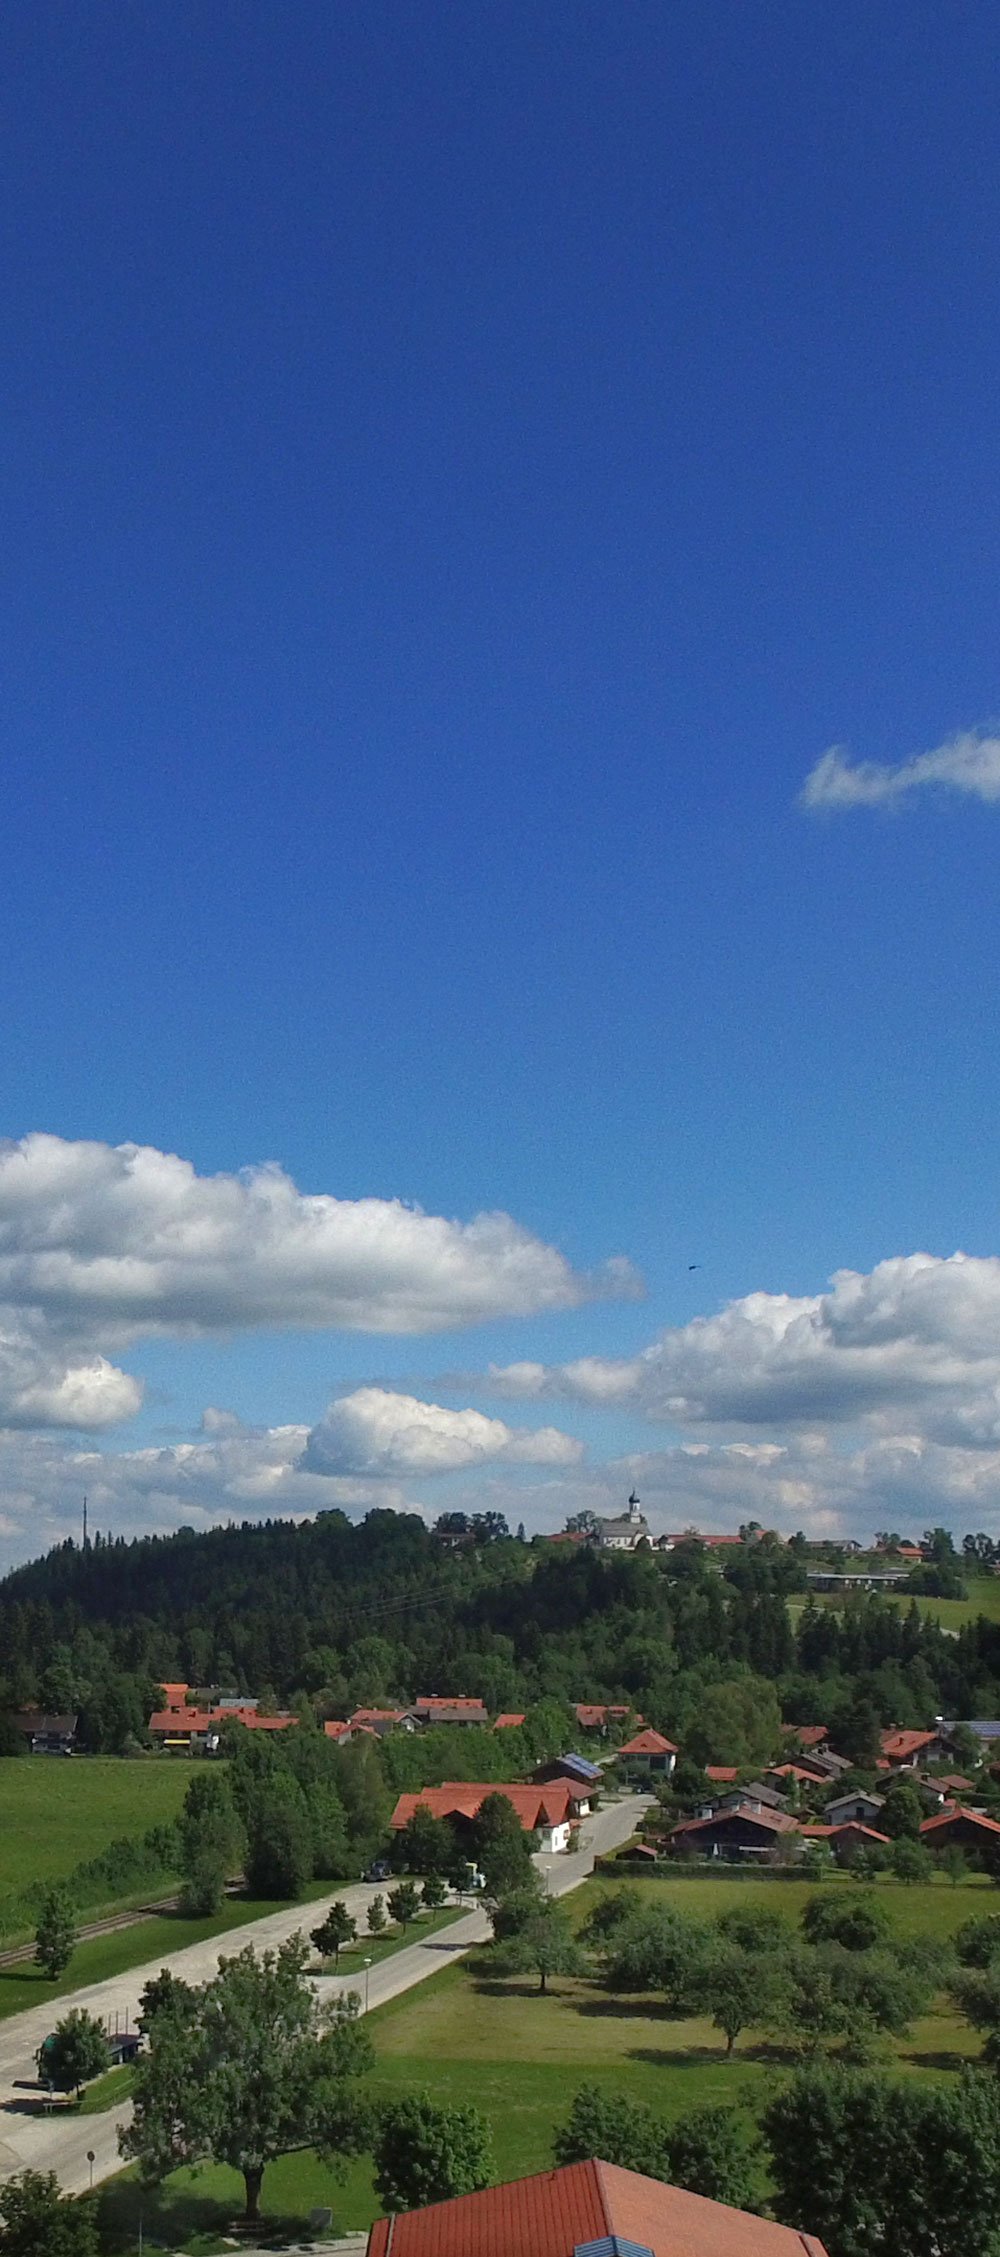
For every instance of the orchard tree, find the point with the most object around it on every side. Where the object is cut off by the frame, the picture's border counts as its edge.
(711, 2151)
(426, 2153)
(620, 2131)
(76, 2051)
(856, 1922)
(869, 2163)
(543, 1945)
(55, 1935)
(339, 1928)
(376, 1916)
(910, 1861)
(38, 2220)
(433, 1893)
(743, 1990)
(249, 2068)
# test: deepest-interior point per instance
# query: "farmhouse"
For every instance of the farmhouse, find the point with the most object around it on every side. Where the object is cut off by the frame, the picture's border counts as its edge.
(548, 1811)
(585, 2210)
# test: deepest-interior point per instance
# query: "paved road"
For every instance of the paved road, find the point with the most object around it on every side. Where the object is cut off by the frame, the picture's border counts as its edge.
(60, 2142)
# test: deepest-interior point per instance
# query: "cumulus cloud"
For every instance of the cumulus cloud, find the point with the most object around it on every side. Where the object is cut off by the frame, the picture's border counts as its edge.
(100, 1246)
(916, 1342)
(968, 763)
(376, 1432)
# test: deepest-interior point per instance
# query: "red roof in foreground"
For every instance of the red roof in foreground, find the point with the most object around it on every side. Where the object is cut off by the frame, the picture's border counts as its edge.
(551, 2214)
(898, 1746)
(461, 1798)
(508, 1718)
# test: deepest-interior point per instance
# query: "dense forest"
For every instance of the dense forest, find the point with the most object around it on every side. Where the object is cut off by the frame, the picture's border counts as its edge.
(327, 1615)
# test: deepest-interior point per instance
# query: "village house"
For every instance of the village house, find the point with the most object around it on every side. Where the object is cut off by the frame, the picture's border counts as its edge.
(585, 2210)
(45, 1735)
(858, 1805)
(581, 1777)
(195, 1731)
(649, 1753)
(955, 1827)
(548, 1811)
(743, 1831)
(603, 1716)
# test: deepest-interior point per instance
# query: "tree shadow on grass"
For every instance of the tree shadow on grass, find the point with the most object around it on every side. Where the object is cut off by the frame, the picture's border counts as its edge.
(632, 2009)
(698, 2056)
(952, 2061)
(167, 2215)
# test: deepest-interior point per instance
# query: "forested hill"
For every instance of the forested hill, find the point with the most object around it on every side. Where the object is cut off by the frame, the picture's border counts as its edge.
(327, 1615)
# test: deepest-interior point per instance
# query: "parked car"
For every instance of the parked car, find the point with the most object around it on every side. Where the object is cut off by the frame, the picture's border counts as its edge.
(380, 1871)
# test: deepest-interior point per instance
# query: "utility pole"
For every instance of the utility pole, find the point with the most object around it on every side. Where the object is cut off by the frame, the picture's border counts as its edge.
(85, 1520)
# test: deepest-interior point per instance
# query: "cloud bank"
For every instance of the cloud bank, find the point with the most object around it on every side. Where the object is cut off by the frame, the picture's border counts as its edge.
(968, 763)
(913, 1345)
(376, 1432)
(101, 1245)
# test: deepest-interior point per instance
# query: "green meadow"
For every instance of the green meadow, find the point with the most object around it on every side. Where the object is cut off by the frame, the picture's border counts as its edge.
(521, 2058)
(56, 1811)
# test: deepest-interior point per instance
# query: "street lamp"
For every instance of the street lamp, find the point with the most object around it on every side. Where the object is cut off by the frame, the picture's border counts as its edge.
(367, 1964)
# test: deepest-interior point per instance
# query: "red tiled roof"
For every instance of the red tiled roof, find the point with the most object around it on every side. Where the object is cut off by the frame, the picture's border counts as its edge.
(648, 1743)
(778, 1821)
(447, 1700)
(809, 1735)
(334, 1726)
(903, 1744)
(504, 1721)
(551, 2214)
(377, 1715)
(722, 1773)
(598, 1712)
(461, 1798)
(797, 1771)
(854, 1826)
(955, 1810)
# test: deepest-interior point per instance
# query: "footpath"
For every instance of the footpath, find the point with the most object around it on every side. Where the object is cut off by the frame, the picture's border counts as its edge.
(84, 2149)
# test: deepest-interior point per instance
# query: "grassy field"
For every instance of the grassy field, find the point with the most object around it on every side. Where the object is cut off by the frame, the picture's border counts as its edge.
(55, 1811)
(952, 1614)
(522, 2058)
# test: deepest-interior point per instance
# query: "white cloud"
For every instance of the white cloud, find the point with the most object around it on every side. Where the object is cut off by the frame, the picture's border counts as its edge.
(100, 1246)
(376, 1432)
(968, 763)
(916, 1342)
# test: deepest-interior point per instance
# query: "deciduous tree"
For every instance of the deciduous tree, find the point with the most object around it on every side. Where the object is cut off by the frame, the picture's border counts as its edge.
(76, 2051)
(425, 2153)
(620, 2131)
(711, 2151)
(248, 2069)
(339, 1928)
(55, 1935)
(38, 2220)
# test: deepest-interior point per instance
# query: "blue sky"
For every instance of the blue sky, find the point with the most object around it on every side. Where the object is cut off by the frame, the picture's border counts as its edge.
(462, 470)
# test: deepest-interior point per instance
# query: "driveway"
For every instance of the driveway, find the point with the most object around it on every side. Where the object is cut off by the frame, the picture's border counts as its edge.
(60, 2142)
